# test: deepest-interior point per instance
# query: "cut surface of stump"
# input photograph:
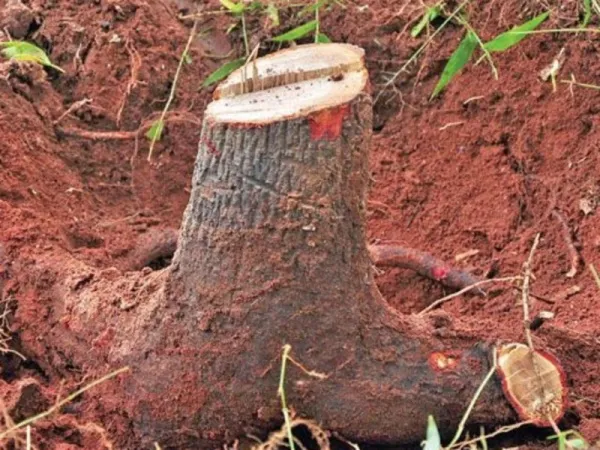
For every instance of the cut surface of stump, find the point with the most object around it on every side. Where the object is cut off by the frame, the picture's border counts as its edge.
(272, 251)
(534, 383)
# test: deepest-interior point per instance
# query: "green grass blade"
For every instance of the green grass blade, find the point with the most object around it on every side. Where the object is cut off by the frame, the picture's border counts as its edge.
(154, 133)
(297, 32)
(311, 8)
(457, 61)
(416, 30)
(25, 51)
(429, 15)
(510, 38)
(273, 14)
(587, 13)
(223, 71)
(235, 8)
(323, 39)
(432, 440)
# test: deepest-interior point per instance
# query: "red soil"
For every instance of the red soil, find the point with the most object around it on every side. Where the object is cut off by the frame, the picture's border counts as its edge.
(480, 168)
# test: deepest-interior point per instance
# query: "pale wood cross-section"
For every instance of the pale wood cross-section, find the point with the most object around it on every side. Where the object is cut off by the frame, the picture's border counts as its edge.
(290, 83)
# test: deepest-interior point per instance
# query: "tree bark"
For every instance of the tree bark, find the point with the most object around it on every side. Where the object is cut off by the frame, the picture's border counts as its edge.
(272, 251)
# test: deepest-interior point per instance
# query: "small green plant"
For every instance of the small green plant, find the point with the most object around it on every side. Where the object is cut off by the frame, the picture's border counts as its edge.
(432, 436)
(297, 33)
(569, 440)
(25, 51)
(239, 9)
(588, 6)
(510, 38)
(504, 41)
(285, 358)
(460, 57)
(431, 13)
(154, 133)
(223, 71)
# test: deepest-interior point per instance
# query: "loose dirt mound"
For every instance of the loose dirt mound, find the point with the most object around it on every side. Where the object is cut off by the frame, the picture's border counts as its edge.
(481, 169)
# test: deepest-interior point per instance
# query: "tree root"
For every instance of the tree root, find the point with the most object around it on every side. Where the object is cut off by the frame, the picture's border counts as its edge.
(160, 244)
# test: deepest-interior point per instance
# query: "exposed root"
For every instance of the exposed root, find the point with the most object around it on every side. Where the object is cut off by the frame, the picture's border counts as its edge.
(278, 438)
(74, 107)
(135, 62)
(91, 431)
(13, 438)
(99, 135)
(59, 404)
(393, 255)
(125, 135)
(5, 334)
(568, 237)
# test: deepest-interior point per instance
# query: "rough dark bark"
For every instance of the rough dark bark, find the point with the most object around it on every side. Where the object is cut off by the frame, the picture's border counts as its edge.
(272, 252)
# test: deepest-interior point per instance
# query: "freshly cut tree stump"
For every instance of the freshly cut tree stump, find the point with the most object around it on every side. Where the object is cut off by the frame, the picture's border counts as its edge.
(272, 251)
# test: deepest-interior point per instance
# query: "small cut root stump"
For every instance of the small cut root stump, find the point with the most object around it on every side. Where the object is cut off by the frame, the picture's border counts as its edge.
(271, 252)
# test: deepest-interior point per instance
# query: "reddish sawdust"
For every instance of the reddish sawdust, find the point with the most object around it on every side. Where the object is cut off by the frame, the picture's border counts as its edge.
(480, 168)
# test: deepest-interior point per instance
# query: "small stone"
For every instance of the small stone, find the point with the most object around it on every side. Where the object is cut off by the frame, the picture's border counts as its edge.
(586, 206)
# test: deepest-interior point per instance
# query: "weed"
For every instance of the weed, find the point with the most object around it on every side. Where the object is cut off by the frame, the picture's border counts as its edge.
(588, 6)
(500, 43)
(297, 33)
(431, 13)
(239, 10)
(569, 440)
(432, 436)
(510, 38)
(420, 50)
(465, 49)
(281, 394)
(157, 127)
(25, 51)
(285, 357)
(457, 61)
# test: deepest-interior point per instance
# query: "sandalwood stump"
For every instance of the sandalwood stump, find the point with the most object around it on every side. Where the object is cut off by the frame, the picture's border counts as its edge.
(271, 252)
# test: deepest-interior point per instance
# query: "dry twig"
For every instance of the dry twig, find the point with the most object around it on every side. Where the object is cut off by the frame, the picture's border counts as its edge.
(527, 269)
(136, 63)
(161, 120)
(278, 438)
(467, 289)
(74, 107)
(595, 275)
(568, 237)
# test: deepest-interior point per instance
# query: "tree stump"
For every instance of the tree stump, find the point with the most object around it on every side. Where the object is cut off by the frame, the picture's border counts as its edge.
(271, 252)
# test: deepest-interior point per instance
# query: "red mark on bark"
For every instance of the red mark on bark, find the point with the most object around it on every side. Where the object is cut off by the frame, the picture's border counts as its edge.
(210, 147)
(326, 125)
(440, 273)
(443, 362)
